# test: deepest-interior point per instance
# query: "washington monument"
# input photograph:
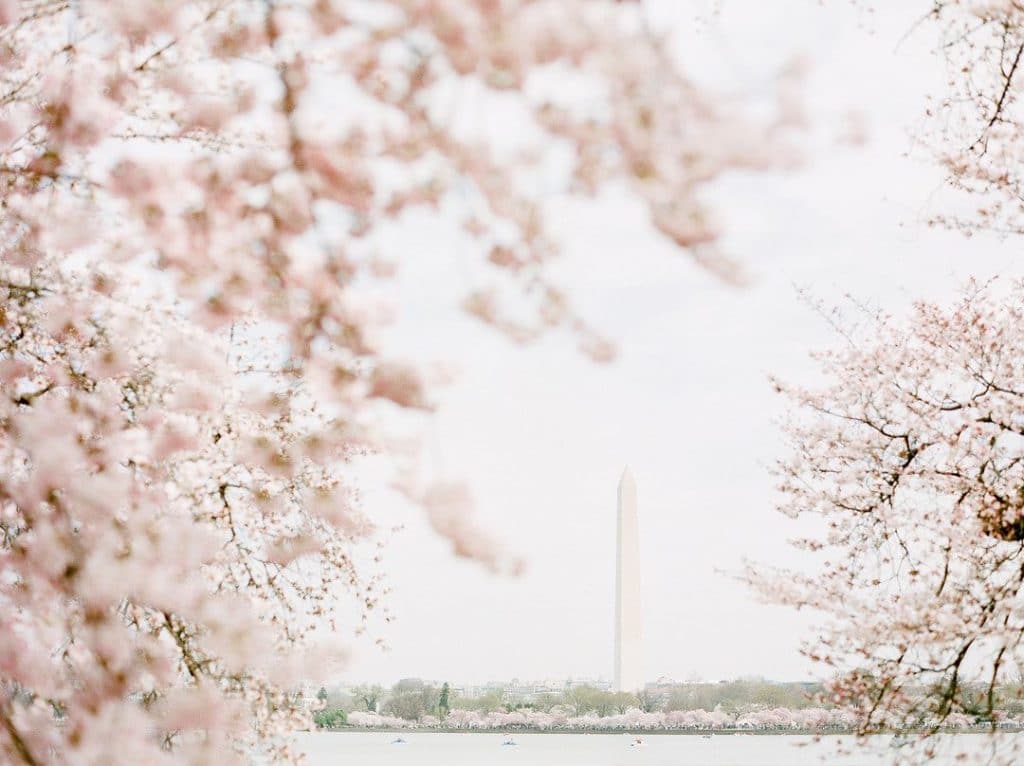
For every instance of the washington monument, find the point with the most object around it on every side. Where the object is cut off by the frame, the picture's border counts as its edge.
(629, 661)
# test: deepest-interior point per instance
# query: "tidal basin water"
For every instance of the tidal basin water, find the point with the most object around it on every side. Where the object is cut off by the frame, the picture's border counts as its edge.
(424, 749)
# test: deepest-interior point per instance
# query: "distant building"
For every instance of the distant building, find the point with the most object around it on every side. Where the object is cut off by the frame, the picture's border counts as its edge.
(596, 683)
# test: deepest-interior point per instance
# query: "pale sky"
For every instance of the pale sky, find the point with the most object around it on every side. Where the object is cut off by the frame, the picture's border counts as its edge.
(541, 435)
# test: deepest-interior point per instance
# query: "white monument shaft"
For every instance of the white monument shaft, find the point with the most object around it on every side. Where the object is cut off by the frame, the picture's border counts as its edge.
(629, 662)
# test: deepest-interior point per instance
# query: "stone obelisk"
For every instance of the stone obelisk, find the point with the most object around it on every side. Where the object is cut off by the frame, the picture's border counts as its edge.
(629, 670)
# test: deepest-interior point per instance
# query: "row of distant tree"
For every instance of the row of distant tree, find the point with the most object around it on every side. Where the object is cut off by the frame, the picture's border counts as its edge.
(413, 699)
(416, 700)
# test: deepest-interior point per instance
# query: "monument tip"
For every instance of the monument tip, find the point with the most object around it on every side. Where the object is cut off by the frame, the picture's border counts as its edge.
(627, 476)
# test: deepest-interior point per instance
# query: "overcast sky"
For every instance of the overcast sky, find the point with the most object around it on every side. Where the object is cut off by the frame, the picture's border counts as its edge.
(541, 435)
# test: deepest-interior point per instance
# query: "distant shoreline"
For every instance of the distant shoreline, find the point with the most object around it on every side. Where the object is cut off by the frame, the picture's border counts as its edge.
(618, 732)
(658, 732)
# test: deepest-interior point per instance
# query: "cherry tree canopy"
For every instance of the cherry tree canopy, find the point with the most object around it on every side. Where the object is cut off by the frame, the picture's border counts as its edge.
(191, 193)
(978, 124)
(910, 454)
(911, 457)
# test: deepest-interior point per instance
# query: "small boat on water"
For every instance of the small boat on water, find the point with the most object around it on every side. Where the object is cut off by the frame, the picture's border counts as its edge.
(398, 741)
(705, 736)
(638, 742)
(509, 742)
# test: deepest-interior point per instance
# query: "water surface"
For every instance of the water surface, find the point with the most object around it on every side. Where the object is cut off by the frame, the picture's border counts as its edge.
(426, 749)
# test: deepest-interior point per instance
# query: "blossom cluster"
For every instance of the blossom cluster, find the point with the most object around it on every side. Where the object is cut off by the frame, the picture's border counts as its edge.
(194, 196)
(634, 719)
(977, 126)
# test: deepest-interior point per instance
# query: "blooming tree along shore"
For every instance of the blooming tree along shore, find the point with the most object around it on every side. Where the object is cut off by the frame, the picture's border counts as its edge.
(634, 719)
(909, 455)
(192, 193)
(910, 458)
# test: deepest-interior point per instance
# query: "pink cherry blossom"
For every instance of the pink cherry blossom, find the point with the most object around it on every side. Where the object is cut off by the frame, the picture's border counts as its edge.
(189, 356)
(909, 460)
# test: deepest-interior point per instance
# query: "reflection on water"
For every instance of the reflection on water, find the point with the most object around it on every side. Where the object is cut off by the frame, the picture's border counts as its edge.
(425, 749)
